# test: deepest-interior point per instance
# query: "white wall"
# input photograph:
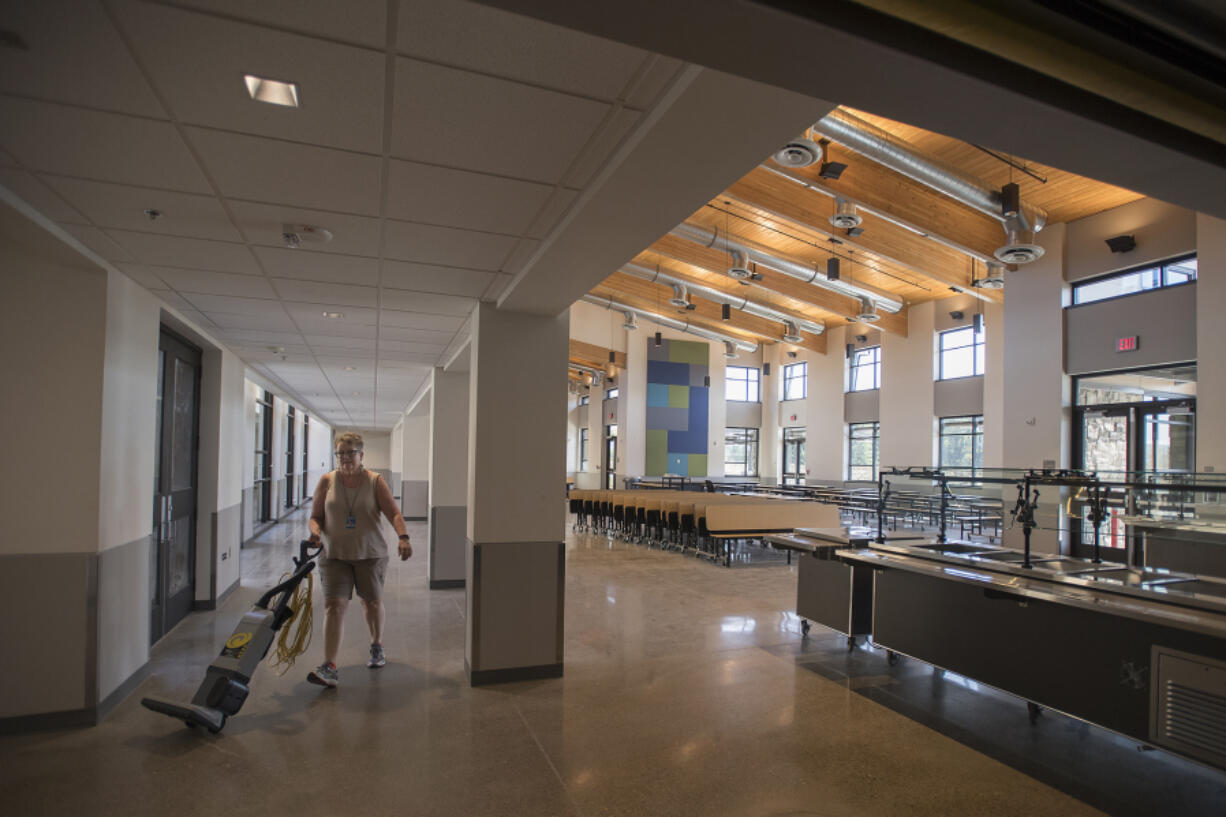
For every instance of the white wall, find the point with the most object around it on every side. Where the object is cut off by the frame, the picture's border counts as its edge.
(908, 436)
(825, 446)
(1162, 231)
(377, 450)
(1211, 342)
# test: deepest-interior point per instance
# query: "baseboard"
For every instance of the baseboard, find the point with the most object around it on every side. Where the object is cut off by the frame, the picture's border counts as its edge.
(446, 584)
(122, 691)
(48, 721)
(212, 604)
(502, 676)
(415, 518)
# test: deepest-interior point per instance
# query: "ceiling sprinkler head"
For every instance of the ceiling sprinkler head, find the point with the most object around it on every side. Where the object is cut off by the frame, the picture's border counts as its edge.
(152, 214)
(292, 240)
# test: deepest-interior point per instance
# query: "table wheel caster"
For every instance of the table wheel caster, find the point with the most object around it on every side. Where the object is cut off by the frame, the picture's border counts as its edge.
(1034, 711)
(804, 627)
(851, 643)
(891, 657)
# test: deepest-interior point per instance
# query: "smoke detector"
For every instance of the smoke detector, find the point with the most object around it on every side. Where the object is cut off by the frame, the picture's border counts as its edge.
(1019, 247)
(730, 350)
(868, 311)
(800, 152)
(680, 297)
(295, 235)
(845, 216)
(791, 333)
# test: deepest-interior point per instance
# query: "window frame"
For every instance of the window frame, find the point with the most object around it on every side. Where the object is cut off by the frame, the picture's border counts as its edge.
(875, 436)
(612, 393)
(790, 376)
(1160, 267)
(854, 363)
(755, 381)
(976, 433)
(978, 352)
(749, 465)
(583, 449)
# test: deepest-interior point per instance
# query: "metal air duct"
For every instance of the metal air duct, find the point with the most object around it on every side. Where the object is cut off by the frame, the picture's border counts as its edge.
(887, 149)
(740, 265)
(681, 297)
(671, 323)
(709, 238)
(845, 216)
(744, 305)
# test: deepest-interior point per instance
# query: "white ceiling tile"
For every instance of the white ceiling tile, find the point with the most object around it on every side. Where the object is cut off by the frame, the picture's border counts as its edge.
(261, 337)
(191, 253)
(231, 305)
(147, 277)
(557, 206)
(321, 343)
(520, 255)
(459, 198)
(337, 330)
(172, 299)
(123, 207)
(6, 159)
(429, 278)
(340, 87)
(75, 56)
(39, 196)
(412, 357)
(93, 144)
(99, 242)
(313, 292)
(199, 318)
(477, 37)
(386, 346)
(597, 151)
(268, 320)
(265, 224)
(217, 283)
(421, 335)
(418, 320)
(361, 21)
(497, 287)
(310, 314)
(426, 302)
(268, 170)
(487, 124)
(659, 72)
(446, 246)
(309, 265)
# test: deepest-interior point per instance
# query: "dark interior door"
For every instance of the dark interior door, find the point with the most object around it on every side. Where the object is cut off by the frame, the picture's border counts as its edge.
(173, 568)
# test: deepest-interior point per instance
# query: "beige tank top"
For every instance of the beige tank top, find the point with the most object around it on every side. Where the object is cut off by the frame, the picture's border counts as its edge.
(352, 527)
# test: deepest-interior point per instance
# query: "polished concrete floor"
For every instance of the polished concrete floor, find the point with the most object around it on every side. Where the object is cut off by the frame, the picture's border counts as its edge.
(689, 690)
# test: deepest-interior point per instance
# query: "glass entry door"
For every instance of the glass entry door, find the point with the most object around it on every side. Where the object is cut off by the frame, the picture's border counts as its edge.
(1168, 440)
(793, 456)
(610, 457)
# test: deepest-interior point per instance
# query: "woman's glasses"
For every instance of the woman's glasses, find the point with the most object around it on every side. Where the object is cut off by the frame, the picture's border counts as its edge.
(344, 455)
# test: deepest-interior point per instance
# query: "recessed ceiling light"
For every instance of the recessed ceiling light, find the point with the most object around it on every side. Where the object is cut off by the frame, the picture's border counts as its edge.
(271, 91)
(357, 394)
(351, 368)
(334, 315)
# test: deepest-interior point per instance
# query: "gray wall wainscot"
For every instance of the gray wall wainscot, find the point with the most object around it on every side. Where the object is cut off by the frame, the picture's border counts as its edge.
(415, 498)
(249, 513)
(958, 398)
(448, 529)
(1163, 319)
(739, 414)
(393, 482)
(227, 541)
(123, 613)
(862, 406)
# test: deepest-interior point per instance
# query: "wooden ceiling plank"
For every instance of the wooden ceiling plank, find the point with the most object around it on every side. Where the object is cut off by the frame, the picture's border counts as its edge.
(589, 354)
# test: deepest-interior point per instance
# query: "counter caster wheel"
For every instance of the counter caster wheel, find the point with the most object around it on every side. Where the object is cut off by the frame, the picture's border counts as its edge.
(892, 658)
(1034, 711)
(851, 643)
(804, 627)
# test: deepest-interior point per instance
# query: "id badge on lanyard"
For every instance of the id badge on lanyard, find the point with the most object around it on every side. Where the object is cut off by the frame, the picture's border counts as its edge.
(351, 522)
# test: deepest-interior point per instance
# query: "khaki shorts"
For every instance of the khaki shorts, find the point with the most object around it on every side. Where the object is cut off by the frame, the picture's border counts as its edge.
(341, 576)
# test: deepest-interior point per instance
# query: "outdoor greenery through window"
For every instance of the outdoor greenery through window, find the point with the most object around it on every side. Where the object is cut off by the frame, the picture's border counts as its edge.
(961, 445)
(795, 381)
(741, 452)
(961, 353)
(862, 450)
(1172, 273)
(741, 383)
(864, 370)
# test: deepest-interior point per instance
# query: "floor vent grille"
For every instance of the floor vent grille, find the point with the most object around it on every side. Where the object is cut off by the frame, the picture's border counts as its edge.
(1189, 705)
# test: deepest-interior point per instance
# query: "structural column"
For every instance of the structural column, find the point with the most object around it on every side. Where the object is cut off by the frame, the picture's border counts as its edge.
(414, 464)
(448, 478)
(515, 555)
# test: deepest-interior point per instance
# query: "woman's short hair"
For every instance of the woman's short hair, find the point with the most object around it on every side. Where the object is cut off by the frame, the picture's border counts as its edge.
(350, 438)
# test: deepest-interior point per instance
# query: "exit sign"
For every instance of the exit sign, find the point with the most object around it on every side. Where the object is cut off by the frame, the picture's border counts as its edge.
(1128, 344)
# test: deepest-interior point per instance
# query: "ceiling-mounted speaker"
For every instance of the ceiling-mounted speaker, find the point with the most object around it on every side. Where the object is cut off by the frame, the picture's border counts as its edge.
(851, 350)
(1122, 243)
(832, 269)
(766, 369)
(1010, 200)
(956, 314)
(978, 323)
(659, 339)
(706, 380)
(725, 312)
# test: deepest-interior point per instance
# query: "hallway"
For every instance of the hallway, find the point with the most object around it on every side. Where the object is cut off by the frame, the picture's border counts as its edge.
(688, 691)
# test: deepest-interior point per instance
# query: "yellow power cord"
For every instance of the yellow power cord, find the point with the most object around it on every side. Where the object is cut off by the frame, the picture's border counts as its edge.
(295, 636)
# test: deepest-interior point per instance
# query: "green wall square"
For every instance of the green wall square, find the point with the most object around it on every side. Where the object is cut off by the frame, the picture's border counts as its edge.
(657, 452)
(684, 351)
(679, 397)
(698, 465)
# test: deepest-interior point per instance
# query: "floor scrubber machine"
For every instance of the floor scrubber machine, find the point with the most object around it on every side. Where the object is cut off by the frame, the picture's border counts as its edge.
(224, 688)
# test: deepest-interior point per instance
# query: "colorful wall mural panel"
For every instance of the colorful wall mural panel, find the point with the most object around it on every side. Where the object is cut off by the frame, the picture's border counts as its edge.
(677, 404)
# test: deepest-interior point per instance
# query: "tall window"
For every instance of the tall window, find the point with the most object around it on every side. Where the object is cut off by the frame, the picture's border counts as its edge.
(795, 381)
(585, 400)
(1172, 273)
(961, 445)
(612, 394)
(289, 457)
(741, 383)
(263, 457)
(864, 370)
(306, 447)
(793, 456)
(961, 353)
(863, 446)
(583, 449)
(741, 451)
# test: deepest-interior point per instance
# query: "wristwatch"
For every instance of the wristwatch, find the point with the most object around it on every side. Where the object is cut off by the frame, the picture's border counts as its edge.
(404, 536)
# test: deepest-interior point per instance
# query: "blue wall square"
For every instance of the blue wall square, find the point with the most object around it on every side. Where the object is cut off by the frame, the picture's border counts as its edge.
(657, 395)
(673, 374)
(700, 399)
(678, 464)
(687, 442)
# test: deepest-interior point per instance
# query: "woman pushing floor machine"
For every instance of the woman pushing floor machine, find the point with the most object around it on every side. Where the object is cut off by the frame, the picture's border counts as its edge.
(224, 688)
